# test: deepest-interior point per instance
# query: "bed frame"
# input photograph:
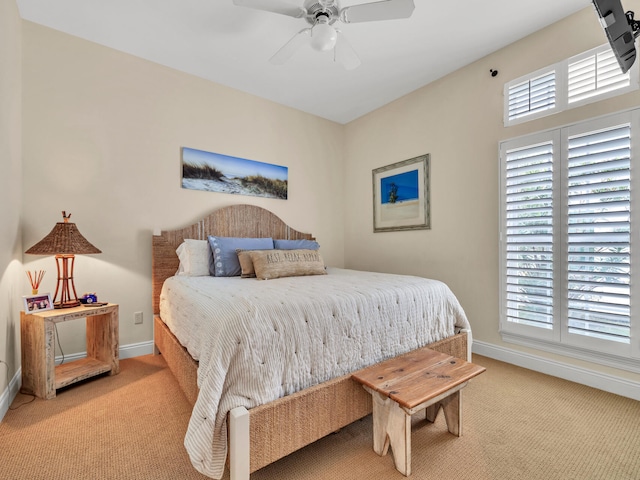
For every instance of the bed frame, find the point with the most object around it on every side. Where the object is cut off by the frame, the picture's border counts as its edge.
(264, 434)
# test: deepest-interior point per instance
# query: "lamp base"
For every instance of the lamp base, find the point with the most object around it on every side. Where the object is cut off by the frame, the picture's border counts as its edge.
(65, 287)
(67, 304)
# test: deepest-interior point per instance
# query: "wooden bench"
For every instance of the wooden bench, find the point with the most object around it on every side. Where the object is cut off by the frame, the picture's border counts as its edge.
(404, 385)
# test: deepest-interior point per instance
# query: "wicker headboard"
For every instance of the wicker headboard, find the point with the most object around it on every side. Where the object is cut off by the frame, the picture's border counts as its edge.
(233, 221)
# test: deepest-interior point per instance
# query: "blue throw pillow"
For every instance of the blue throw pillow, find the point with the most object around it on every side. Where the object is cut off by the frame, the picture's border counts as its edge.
(296, 245)
(225, 258)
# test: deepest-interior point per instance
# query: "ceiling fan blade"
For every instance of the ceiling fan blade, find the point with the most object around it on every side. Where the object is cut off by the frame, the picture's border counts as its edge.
(371, 12)
(291, 47)
(344, 54)
(282, 8)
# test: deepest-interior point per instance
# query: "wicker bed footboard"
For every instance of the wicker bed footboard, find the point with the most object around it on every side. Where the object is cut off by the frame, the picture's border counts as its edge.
(285, 425)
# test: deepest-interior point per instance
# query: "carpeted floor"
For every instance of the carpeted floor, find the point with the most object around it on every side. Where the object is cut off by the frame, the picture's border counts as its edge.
(518, 424)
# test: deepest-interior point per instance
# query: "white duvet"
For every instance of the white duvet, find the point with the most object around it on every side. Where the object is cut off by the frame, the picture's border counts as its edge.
(257, 340)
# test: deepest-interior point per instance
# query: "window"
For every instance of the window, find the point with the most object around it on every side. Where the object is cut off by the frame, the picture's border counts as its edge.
(598, 206)
(582, 79)
(567, 270)
(529, 234)
(532, 96)
(595, 74)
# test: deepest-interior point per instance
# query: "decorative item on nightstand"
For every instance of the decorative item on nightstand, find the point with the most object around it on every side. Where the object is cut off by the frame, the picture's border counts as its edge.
(35, 280)
(64, 241)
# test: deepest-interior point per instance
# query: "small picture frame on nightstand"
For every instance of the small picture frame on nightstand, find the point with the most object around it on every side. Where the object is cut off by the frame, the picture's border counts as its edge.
(38, 302)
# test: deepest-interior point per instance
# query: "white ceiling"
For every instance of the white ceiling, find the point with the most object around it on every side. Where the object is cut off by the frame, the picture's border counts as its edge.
(231, 45)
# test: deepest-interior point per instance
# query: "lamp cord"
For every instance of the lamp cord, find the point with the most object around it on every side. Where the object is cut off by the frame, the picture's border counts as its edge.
(7, 367)
(55, 326)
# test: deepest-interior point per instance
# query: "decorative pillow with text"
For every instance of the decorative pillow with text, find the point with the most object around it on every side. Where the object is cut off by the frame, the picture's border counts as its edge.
(270, 264)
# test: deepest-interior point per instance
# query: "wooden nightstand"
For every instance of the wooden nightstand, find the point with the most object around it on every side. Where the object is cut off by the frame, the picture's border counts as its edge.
(40, 376)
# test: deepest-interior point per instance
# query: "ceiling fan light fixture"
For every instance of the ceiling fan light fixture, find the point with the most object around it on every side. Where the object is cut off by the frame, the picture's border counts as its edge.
(323, 37)
(321, 15)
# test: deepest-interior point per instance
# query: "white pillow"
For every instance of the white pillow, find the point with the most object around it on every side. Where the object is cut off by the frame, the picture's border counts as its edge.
(195, 257)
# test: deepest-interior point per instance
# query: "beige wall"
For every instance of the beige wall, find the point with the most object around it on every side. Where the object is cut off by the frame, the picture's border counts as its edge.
(102, 137)
(459, 121)
(11, 275)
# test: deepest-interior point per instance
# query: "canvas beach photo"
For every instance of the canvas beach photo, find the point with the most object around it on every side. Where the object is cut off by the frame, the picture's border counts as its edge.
(401, 195)
(215, 172)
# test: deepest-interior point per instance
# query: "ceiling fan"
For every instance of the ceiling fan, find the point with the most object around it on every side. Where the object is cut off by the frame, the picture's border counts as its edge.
(322, 35)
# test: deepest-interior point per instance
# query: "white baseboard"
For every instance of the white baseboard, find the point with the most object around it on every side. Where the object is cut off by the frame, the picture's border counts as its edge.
(136, 349)
(10, 393)
(602, 381)
(126, 351)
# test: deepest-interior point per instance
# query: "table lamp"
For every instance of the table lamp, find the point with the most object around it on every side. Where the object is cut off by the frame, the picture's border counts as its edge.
(64, 241)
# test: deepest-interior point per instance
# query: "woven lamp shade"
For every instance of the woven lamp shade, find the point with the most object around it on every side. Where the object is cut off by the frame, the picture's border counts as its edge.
(65, 238)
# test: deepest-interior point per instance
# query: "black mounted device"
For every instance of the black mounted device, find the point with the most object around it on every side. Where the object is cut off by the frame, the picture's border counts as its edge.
(621, 29)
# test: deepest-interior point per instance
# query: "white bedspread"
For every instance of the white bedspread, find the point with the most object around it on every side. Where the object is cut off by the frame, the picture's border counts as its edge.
(257, 341)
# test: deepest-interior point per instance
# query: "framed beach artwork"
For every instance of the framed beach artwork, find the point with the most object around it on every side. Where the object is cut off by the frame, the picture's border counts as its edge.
(401, 196)
(214, 172)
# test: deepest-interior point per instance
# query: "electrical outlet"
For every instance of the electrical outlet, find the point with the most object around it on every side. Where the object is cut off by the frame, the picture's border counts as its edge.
(137, 318)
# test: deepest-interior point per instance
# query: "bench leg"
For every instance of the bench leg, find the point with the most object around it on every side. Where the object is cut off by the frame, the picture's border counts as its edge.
(392, 427)
(452, 406)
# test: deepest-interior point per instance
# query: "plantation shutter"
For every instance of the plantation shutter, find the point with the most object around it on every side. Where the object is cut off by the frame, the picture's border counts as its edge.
(532, 96)
(598, 234)
(595, 74)
(528, 267)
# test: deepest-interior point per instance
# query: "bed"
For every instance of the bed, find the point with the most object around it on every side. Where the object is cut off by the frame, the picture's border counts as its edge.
(262, 432)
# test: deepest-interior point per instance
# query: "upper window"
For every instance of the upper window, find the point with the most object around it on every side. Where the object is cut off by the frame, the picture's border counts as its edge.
(595, 74)
(534, 95)
(585, 78)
